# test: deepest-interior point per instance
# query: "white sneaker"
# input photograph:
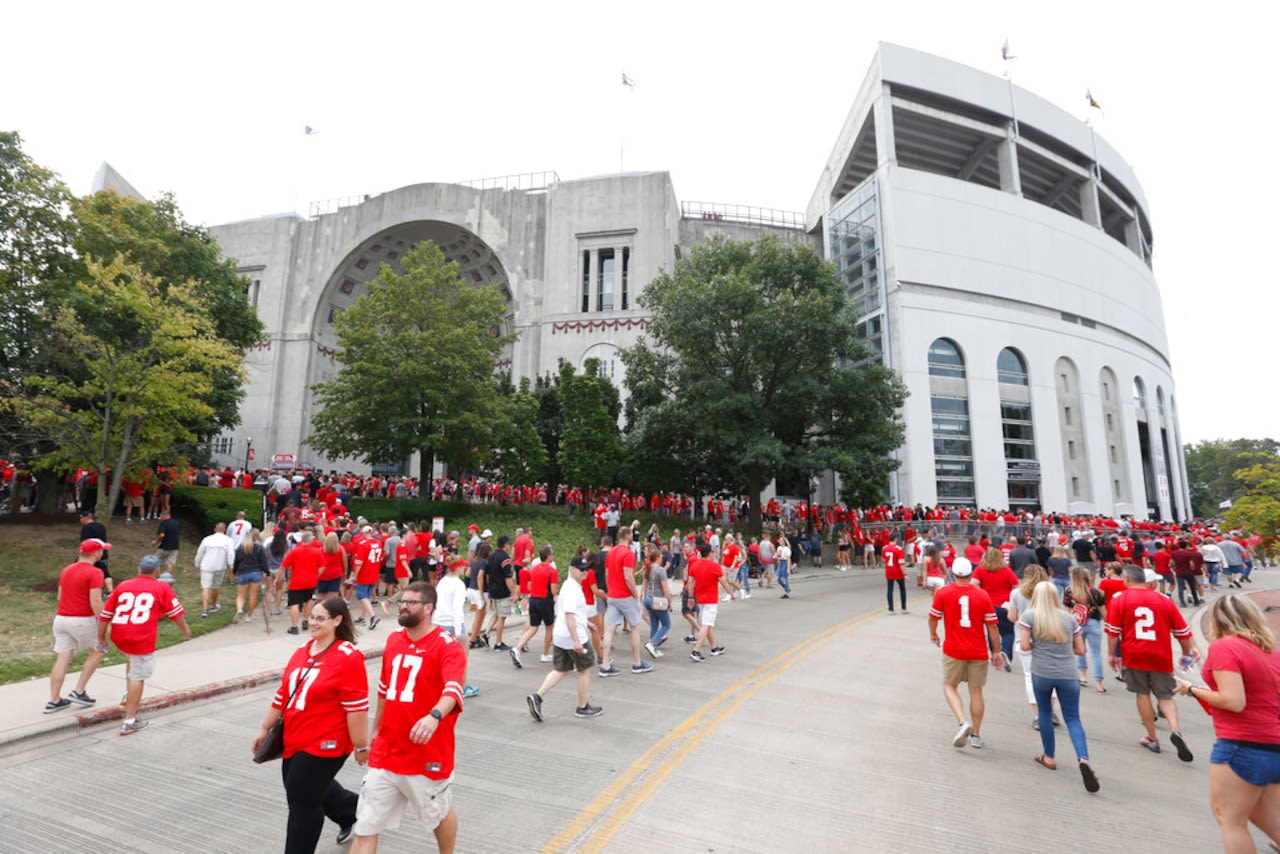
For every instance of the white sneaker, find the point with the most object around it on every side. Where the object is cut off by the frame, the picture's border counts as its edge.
(726, 598)
(746, 594)
(546, 659)
(962, 734)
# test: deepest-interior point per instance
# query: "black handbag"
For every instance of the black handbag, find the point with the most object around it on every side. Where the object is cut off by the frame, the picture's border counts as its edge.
(272, 746)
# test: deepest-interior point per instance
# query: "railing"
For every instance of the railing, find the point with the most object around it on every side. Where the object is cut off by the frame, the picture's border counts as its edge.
(527, 181)
(716, 212)
(328, 206)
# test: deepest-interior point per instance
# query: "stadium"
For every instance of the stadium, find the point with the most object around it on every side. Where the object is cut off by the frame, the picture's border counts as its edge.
(997, 249)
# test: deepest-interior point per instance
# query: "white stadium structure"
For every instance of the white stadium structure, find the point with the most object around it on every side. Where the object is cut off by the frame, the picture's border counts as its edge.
(997, 249)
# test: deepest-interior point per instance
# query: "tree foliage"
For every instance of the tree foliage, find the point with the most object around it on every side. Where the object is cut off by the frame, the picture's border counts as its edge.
(590, 446)
(1213, 467)
(133, 367)
(517, 455)
(755, 368)
(417, 354)
(1258, 510)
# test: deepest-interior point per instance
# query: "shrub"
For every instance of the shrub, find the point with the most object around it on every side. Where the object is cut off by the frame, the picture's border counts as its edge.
(206, 506)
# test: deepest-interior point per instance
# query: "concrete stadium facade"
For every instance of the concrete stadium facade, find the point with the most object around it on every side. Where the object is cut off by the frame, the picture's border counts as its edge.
(997, 249)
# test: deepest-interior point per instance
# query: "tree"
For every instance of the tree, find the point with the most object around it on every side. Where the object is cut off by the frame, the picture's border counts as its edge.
(1212, 468)
(417, 353)
(755, 368)
(518, 455)
(550, 424)
(1258, 510)
(590, 447)
(156, 237)
(132, 366)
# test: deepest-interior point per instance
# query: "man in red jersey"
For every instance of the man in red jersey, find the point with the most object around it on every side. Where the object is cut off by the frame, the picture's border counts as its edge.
(1142, 621)
(624, 605)
(303, 563)
(894, 558)
(75, 626)
(366, 569)
(132, 614)
(707, 577)
(970, 622)
(419, 700)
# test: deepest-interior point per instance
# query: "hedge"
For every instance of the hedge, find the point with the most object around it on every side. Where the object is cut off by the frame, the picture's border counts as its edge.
(206, 506)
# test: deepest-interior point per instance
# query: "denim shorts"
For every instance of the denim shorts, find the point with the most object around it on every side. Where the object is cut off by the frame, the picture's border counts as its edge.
(246, 578)
(1255, 766)
(364, 591)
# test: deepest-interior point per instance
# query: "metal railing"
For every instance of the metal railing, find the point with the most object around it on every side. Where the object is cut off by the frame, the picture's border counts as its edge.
(527, 181)
(717, 212)
(328, 206)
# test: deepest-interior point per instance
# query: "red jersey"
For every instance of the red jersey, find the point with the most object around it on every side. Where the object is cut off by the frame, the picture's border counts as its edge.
(964, 611)
(74, 584)
(973, 553)
(729, 555)
(1111, 586)
(893, 560)
(335, 686)
(617, 564)
(303, 563)
(705, 575)
(1143, 620)
(998, 583)
(134, 609)
(588, 585)
(1006, 549)
(415, 675)
(1161, 561)
(541, 577)
(369, 559)
(1124, 550)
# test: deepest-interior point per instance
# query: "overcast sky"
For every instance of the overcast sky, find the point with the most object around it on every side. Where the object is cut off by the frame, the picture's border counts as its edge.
(741, 102)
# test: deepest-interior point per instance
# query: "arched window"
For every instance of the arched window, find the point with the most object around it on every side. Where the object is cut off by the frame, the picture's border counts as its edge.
(945, 359)
(1160, 400)
(1139, 393)
(1011, 367)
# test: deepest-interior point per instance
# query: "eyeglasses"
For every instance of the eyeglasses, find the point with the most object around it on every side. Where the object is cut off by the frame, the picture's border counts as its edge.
(404, 602)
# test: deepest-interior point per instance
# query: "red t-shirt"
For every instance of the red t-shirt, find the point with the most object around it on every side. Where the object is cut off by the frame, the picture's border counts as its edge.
(369, 556)
(541, 577)
(134, 609)
(588, 584)
(522, 549)
(1161, 560)
(337, 685)
(617, 564)
(331, 567)
(705, 575)
(973, 553)
(729, 555)
(74, 584)
(1260, 719)
(893, 559)
(303, 563)
(1111, 586)
(415, 675)
(1143, 620)
(998, 583)
(964, 611)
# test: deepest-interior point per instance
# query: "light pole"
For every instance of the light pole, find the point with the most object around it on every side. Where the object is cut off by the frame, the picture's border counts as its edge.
(248, 453)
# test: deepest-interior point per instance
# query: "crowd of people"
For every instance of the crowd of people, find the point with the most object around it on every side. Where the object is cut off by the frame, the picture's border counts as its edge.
(1052, 594)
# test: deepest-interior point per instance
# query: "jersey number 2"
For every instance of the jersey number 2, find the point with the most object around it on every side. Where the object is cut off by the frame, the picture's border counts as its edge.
(1142, 628)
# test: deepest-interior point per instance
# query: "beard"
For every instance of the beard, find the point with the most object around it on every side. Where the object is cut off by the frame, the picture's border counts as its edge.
(409, 619)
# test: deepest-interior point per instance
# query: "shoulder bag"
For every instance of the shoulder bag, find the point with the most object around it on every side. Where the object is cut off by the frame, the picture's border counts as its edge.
(272, 746)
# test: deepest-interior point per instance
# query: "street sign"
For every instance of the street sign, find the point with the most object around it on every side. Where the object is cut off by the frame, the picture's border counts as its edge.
(282, 462)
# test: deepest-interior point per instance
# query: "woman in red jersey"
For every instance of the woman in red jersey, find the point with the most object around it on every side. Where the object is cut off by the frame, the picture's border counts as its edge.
(324, 697)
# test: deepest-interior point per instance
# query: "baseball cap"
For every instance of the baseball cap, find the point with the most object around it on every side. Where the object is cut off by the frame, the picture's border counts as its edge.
(453, 533)
(460, 563)
(93, 544)
(473, 527)
(151, 562)
(486, 534)
(962, 567)
(1150, 576)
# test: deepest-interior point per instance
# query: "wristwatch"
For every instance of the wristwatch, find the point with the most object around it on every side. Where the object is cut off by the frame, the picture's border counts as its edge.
(435, 713)
(361, 750)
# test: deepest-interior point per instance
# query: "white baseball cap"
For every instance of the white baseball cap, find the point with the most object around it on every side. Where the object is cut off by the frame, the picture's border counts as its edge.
(962, 567)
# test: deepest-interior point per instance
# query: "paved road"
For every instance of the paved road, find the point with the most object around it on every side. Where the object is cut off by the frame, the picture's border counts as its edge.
(822, 729)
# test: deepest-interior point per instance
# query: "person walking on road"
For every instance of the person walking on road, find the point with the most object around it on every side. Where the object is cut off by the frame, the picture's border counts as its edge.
(249, 569)
(1141, 621)
(706, 577)
(1242, 693)
(624, 605)
(132, 616)
(324, 698)
(411, 760)
(1053, 637)
(451, 605)
(784, 567)
(572, 648)
(995, 577)
(893, 572)
(657, 600)
(303, 563)
(544, 586)
(75, 626)
(215, 555)
(167, 539)
(969, 621)
(1089, 605)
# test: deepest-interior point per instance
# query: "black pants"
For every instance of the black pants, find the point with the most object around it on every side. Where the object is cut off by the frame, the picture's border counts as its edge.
(1187, 581)
(312, 794)
(902, 591)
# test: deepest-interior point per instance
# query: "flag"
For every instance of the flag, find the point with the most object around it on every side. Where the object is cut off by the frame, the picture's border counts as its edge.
(1092, 103)
(1225, 505)
(310, 131)
(1004, 52)
(627, 81)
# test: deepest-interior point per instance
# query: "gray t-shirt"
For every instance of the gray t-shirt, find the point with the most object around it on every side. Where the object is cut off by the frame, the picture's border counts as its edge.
(1232, 552)
(1048, 659)
(657, 575)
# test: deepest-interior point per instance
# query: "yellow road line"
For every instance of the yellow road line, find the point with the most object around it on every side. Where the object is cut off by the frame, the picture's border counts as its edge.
(659, 759)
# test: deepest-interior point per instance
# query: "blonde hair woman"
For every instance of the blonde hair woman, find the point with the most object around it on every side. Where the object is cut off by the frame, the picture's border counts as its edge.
(1089, 605)
(1242, 672)
(1052, 636)
(1019, 601)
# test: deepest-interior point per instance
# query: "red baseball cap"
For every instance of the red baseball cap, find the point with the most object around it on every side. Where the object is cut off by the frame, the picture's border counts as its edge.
(93, 544)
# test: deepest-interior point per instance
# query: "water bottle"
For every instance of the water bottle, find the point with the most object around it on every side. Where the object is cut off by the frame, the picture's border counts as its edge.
(1185, 662)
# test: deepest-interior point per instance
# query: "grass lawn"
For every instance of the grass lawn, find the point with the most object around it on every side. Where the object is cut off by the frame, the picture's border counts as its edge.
(33, 553)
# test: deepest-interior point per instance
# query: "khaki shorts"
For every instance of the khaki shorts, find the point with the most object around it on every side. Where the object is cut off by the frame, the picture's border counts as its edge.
(501, 607)
(564, 660)
(211, 579)
(168, 557)
(73, 633)
(1149, 682)
(142, 667)
(957, 670)
(133, 501)
(385, 795)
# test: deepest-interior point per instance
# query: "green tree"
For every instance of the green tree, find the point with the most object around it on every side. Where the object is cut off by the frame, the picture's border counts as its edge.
(1212, 468)
(590, 447)
(518, 455)
(155, 236)
(1258, 509)
(550, 424)
(755, 368)
(417, 353)
(133, 366)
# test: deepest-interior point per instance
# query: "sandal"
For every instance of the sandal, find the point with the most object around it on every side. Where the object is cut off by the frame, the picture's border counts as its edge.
(1041, 760)
(1084, 683)
(1091, 783)
(1102, 689)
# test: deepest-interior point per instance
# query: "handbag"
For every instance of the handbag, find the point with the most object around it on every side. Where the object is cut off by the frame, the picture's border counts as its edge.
(272, 746)
(661, 603)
